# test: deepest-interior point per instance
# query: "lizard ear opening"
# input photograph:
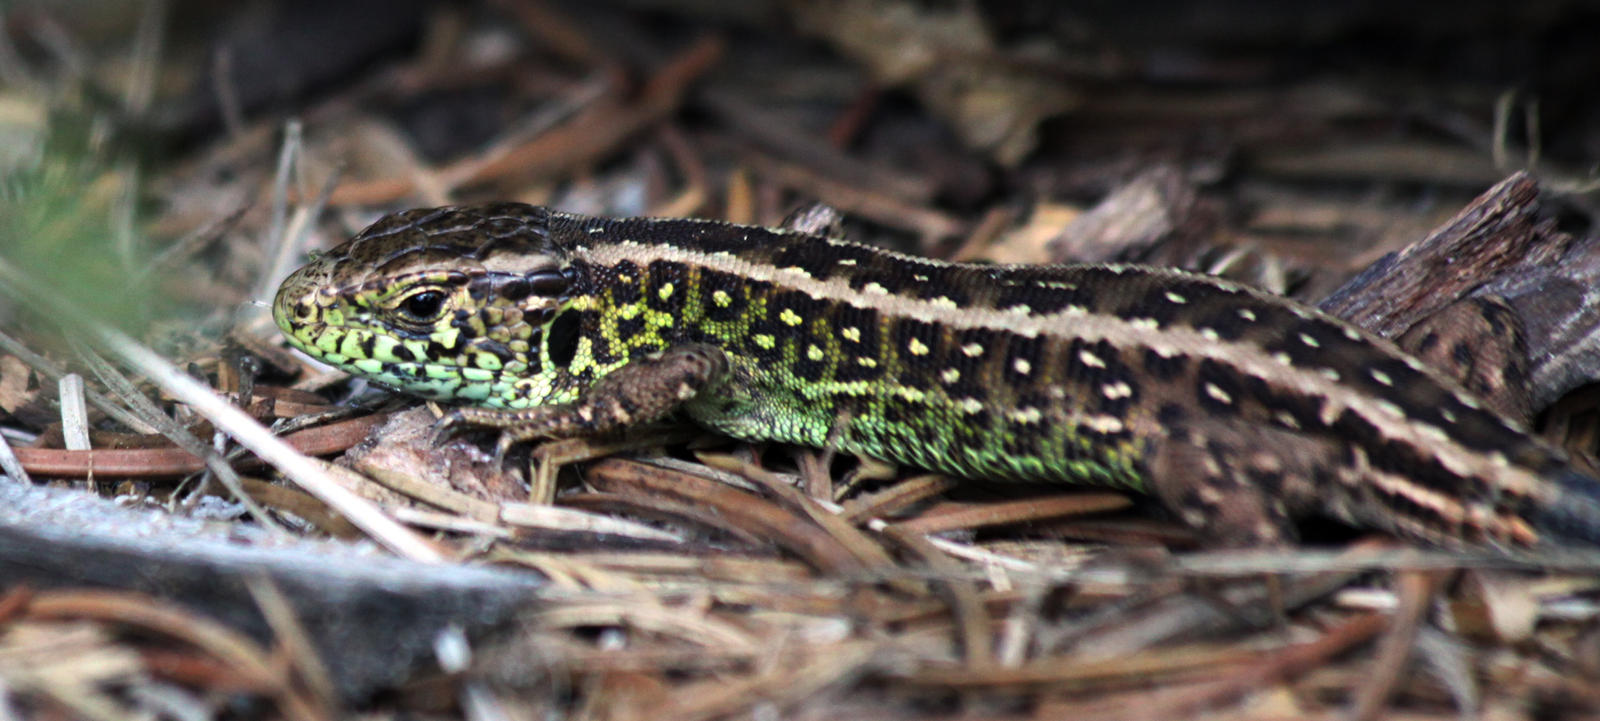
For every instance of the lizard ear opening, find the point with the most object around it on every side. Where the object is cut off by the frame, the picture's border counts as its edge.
(562, 338)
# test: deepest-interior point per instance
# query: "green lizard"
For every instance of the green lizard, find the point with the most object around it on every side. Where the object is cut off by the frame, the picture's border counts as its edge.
(1240, 411)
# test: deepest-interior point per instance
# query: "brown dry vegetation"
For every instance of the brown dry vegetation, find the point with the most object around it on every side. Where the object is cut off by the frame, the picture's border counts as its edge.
(165, 164)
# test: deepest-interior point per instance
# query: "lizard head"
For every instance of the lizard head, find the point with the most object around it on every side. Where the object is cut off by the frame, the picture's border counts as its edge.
(446, 303)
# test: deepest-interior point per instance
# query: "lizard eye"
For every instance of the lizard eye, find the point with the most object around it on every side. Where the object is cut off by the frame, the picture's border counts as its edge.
(423, 307)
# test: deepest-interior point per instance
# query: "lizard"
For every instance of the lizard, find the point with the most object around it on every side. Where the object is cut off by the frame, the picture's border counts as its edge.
(1239, 411)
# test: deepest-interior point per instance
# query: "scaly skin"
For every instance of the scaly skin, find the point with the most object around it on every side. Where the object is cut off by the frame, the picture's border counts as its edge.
(1239, 410)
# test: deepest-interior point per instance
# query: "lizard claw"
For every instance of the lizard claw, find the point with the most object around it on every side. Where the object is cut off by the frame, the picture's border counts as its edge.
(502, 445)
(446, 427)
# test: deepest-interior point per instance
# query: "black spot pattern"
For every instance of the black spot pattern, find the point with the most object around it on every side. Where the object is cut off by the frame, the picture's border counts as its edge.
(1213, 378)
(664, 275)
(809, 258)
(1164, 368)
(1026, 351)
(865, 321)
(630, 328)
(1041, 300)
(907, 333)
(624, 293)
(736, 290)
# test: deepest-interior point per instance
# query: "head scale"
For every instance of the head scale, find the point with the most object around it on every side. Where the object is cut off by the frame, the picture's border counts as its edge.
(447, 303)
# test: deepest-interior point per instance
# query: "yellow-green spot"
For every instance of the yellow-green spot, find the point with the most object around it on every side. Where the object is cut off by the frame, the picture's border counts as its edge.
(350, 345)
(852, 334)
(721, 298)
(790, 317)
(666, 291)
(814, 353)
(765, 341)
(446, 338)
(917, 347)
(328, 342)
(383, 347)
(477, 375)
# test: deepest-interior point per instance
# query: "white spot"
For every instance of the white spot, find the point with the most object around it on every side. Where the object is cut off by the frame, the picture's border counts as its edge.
(874, 288)
(1414, 364)
(1434, 434)
(1468, 401)
(1175, 298)
(847, 261)
(916, 347)
(1018, 309)
(1217, 394)
(970, 405)
(1286, 419)
(943, 301)
(920, 278)
(973, 350)
(1248, 315)
(1209, 334)
(1283, 358)
(950, 375)
(1352, 334)
(1145, 323)
(1104, 424)
(1309, 341)
(1447, 415)
(1330, 374)
(1073, 311)
(1090, 359)
(1381, 378)
(1390, 407)
(1117, 390)
(1022, 366)
(1027, 415)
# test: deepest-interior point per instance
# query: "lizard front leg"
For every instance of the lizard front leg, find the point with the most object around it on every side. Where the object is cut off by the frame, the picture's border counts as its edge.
(642, 391)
